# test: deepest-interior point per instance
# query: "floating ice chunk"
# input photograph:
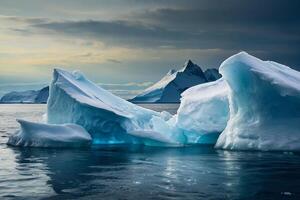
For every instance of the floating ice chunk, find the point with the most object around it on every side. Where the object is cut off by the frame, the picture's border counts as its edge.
(45, 135)
(203, 112)
(264, 101)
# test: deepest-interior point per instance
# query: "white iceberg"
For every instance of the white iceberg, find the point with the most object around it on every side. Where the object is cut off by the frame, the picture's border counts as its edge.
(46, 135)
(204, 112)
(264, 100)
(108, 118)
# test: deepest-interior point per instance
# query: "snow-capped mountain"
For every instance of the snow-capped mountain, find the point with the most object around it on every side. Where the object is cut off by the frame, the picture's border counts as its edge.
(169, 88)
(29, 96)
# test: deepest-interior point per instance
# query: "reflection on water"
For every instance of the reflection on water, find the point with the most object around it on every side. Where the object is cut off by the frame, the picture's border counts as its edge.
(138, 172)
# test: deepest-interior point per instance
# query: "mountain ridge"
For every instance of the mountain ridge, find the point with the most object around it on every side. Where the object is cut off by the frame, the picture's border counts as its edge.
(169, 88)
(27, 96)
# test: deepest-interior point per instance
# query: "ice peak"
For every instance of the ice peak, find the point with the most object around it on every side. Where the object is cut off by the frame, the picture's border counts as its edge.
(243, 55)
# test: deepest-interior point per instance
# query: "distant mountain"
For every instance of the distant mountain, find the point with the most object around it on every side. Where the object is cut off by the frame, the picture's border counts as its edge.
(169, 88)
(212, 74)
(42, 95)
(29, 96)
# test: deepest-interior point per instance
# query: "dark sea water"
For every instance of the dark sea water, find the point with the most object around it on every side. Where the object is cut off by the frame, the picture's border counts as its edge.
(198, 172)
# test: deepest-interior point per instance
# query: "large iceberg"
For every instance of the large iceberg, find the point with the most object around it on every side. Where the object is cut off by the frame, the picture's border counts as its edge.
(264, 100)
(46, 135)
(108, 118)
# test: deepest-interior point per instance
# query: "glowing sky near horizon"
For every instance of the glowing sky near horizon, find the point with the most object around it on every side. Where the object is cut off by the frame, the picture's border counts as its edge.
(135, 42)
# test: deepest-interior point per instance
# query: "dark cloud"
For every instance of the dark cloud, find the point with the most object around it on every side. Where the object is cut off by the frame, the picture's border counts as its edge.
(115, 33)
(271, 28)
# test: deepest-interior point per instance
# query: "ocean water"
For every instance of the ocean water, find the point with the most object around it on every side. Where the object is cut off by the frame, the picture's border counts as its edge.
(136, 172)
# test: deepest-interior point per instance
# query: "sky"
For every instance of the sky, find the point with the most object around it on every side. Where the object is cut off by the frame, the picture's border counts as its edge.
(126, 45)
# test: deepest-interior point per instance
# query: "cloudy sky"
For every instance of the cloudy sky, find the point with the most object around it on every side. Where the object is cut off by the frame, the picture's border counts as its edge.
(127, 44)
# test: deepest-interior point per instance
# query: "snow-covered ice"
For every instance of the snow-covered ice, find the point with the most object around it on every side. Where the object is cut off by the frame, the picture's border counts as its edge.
(45, 135)
(108, 118)
(264, 99)
(203, 112)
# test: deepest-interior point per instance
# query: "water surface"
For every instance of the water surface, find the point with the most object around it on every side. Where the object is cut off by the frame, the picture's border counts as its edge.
(136, 172)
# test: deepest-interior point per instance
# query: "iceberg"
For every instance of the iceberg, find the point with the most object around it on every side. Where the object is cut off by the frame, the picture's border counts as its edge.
(46, 135)
(108, 118)
(264, 101)
(204, 111)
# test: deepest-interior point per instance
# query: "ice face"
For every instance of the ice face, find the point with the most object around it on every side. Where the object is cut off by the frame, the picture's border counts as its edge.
(45, 135)
(264, 100)
(203, 112)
